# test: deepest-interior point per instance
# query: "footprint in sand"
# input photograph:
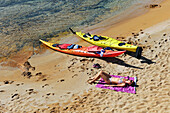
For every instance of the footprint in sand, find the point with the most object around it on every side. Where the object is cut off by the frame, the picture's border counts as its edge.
(39, 73)
(17, 84)
(48, 94)
(8, 82)
(15, 96)
(142, 32)
(2, 91)
(45, 85)
(74, 75)
(31, 91)
(28, 66)
(68, 92)
(152, 50)
(27, 74)
(62, 80)
(164, 34)
(44, 79)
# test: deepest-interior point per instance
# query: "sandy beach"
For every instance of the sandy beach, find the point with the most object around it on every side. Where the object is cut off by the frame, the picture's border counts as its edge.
(57, 82)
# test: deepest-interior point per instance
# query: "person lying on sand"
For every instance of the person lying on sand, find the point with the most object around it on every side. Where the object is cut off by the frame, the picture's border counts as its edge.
(111, 81)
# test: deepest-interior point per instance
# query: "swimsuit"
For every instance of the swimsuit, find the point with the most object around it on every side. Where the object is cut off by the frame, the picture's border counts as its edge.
(110, 79)
(120, 81)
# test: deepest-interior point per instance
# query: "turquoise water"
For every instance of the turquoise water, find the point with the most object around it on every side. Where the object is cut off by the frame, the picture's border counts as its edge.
(23, 22)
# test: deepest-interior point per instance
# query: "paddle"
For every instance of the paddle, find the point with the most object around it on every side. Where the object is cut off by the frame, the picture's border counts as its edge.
(72, 31)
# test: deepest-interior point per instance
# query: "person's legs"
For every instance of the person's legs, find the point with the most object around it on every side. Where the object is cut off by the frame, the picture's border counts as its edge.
(103, 75)
(96, 77)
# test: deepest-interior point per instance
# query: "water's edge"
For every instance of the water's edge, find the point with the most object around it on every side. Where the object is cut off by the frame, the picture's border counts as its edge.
(20, 35)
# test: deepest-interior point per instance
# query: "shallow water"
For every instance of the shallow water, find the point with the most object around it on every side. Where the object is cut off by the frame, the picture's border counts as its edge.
(23, 22)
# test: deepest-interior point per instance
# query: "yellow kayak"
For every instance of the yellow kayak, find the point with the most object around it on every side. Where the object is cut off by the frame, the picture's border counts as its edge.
(104, 41)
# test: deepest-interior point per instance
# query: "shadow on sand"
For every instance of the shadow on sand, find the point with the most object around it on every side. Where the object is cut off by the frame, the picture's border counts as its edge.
(144, 59)
(115, 60)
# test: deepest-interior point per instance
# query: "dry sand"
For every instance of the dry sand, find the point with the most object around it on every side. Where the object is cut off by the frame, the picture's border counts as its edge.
(58, 82)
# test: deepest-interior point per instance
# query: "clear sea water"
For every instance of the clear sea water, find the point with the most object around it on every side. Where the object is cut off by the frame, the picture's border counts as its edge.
(23, 22)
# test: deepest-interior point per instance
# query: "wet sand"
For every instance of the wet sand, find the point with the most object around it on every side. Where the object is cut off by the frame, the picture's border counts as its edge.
(56, 82)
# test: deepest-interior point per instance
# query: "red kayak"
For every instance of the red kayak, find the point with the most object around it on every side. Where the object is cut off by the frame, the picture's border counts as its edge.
(74, 49)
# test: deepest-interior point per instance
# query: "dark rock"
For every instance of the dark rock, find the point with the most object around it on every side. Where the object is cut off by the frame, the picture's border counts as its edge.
(154, 5)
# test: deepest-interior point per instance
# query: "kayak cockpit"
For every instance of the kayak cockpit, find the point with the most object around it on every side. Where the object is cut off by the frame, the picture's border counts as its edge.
(94, 37)
(67, 46)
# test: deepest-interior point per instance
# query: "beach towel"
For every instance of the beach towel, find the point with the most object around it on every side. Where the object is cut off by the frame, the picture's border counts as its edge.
(127, 89)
